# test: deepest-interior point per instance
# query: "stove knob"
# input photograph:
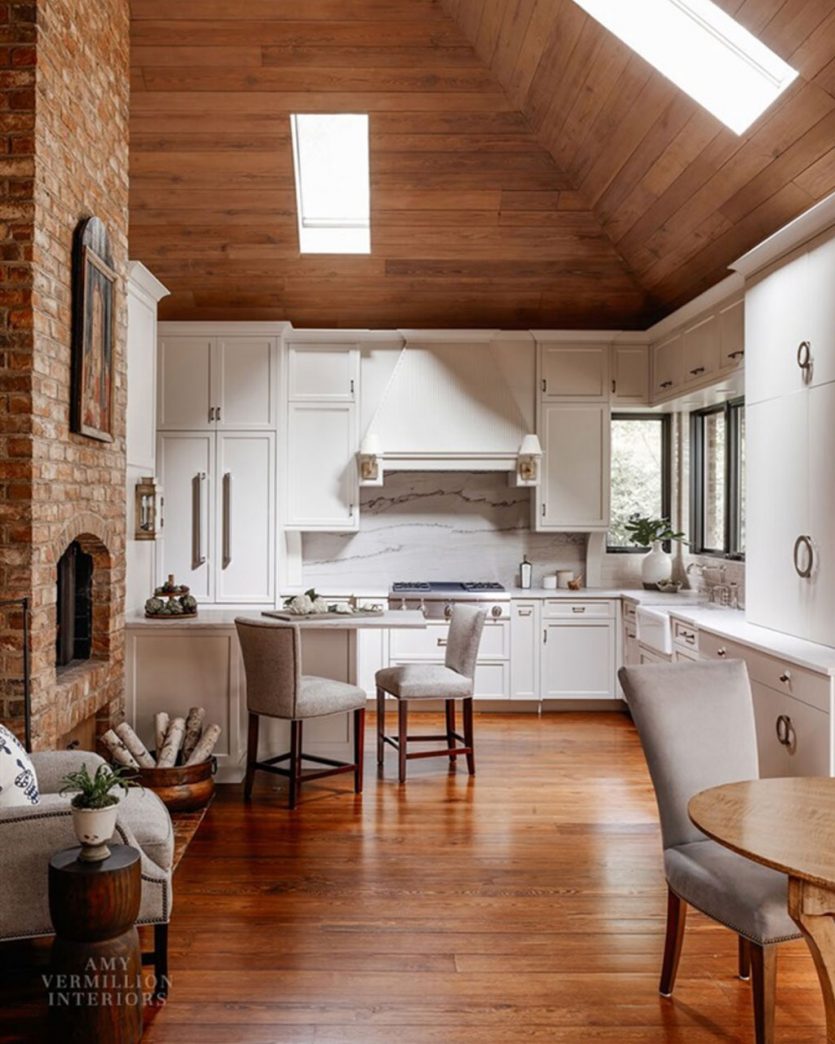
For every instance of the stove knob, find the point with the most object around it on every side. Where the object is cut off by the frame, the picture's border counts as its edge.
(448, 610)
(402, 603)
(496, 611)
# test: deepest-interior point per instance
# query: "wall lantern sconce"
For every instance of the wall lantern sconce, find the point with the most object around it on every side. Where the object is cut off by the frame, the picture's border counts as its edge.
(371, 461)
(146, 509)
(528, 461)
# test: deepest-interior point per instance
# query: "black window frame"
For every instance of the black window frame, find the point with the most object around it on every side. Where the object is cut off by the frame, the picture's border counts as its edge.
(732, 410)
(665, 420)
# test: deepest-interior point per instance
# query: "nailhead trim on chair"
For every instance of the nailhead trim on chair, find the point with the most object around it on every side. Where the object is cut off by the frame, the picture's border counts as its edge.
(756, 942)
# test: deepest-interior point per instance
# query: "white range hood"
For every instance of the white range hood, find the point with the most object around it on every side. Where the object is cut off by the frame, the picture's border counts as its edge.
(457, 401)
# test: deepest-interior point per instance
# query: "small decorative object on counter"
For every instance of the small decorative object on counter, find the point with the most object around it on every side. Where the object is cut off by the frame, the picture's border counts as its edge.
(657, 566)
(576, 584)
(171, 601)
(669, 586)
(312, 604)
(525, 572)
(549, 582)
(94, 807)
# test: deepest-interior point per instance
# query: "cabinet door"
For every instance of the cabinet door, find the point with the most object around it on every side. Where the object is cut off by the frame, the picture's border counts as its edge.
(244, 385)
(318, 373)
(777, 318)
(185, 468)
(631, 652)
(820, 307)
(819, 588)
(630, 374)
(524, 651)
(732, 335)
(701, 349)
(667, 367)
(574, 371)
(776, 512)
(574, 494)
(578, 660)
(245, 500)
(322, 480)
(141, 433)
(184, 383)
(804, 730)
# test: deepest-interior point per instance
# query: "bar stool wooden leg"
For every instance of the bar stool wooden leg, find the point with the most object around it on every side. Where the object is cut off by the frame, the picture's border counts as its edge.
(359, 745)
(402, 715)
(251, 755)
(381, 725)
(295, 762)
(468, 733)
(450, 729)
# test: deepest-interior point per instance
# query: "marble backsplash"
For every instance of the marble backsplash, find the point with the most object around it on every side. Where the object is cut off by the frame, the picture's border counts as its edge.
(438, 526)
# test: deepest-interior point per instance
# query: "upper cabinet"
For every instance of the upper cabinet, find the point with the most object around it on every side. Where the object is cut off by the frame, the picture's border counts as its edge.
(574, 493)
(144, 293)
(322, 374)
(573, 371)
(731, 335)
(700, 344)
(667, 366)
(630, 374)
(217, 382)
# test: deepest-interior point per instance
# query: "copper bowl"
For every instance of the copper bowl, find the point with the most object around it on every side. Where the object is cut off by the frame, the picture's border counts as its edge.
(182, 788)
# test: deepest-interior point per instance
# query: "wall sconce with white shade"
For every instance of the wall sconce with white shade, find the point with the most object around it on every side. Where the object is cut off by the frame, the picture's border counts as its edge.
(528, 459)
(145, 499)
(371, 460)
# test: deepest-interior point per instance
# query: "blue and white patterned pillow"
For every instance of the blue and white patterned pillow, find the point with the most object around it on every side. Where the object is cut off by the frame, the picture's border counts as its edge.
(18, 782)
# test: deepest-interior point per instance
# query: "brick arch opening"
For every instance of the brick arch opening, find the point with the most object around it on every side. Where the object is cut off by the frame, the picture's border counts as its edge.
(85, 563)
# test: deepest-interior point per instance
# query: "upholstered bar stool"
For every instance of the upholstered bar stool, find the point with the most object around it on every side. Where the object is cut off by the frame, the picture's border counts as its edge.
(417, 681)
(276, 688)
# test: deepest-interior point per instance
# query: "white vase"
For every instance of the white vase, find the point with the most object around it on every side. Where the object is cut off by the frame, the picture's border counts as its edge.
(656, 566)
(94, 827)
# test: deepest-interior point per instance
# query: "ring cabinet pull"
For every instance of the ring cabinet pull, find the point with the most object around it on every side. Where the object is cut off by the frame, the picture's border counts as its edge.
(784, 730)
(804, 571)
(785, 677)
(804, 357)
(722, 652)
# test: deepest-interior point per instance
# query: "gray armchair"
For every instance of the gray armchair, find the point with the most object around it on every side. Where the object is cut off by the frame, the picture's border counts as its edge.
(31, 834)
(696, 723)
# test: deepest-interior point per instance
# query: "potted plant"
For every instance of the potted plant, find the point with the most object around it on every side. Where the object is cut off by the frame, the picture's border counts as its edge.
(94, 807)
(656, 566)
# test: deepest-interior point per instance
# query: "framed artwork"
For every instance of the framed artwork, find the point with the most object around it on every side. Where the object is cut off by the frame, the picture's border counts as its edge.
(94, 282)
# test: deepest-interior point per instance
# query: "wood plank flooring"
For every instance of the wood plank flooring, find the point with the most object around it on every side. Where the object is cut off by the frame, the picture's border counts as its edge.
(526, 904)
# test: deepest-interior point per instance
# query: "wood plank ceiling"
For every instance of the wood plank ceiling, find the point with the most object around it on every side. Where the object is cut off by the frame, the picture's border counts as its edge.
(527, 170)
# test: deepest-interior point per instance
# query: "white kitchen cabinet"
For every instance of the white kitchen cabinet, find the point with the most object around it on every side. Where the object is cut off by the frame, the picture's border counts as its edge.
(186, 462)
(731, 318)
(578, 659)
(144, 293)
(630, 374)
(322, 478)
(793, 738)
(700, 344)
(667, 366)
(573, 371)
(646, 655)
(245, 513)
(820, 310)
(210, 383)
(574, 492)
(524, 650)
(819, 588)
(218, 533)
(318, 373)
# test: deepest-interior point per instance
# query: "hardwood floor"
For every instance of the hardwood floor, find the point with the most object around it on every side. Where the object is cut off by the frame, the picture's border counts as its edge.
(526, 904)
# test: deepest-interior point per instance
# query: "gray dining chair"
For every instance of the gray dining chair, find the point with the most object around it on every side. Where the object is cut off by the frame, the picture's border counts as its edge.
(696, 724)
(450, 682)
(276, 688)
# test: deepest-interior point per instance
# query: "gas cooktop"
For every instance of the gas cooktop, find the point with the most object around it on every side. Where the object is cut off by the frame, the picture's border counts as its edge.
(447, 587)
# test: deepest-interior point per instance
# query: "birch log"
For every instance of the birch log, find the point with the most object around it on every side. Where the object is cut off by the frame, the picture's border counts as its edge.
(204, 748)
(194, 726)
(134, 745)
(161, 721)
(118, 751)
(167, 757)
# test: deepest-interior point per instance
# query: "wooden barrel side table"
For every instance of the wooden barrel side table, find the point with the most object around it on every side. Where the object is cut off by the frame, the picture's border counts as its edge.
(96, 983)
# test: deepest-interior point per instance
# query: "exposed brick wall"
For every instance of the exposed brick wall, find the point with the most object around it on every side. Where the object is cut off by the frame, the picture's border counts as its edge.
(67, 486)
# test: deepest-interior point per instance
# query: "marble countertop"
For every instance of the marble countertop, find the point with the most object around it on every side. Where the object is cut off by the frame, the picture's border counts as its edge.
(225, 618)
(635, 595)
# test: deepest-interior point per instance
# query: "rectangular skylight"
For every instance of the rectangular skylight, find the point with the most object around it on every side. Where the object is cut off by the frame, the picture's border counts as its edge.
(703, 51)
(330, 156)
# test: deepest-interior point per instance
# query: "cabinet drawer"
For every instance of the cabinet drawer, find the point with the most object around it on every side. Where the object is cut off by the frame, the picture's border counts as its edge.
(431, 643)
(793, 739)
(686, 655)
(685, 634)
(492, 679)
(557, 608)
(630, 613)
(777, 674)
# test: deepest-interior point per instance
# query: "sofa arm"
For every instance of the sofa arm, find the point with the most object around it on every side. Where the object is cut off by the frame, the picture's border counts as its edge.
(52, 765)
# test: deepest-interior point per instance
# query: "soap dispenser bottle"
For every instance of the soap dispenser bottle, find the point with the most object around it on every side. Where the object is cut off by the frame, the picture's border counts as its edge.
(525, 571)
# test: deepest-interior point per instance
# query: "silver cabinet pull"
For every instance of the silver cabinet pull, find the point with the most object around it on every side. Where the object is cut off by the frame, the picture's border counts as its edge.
(211, 413)
(722, 652)
(352, 386)
(786, 677)
(227, 519)
(545, 636)
(578, 608)
(804, 571)
(629, 634)
(738, 354)
(544, 385)
(666, 384)
(525, 612)
(198, 556)
(217, 413)
(697, 371)
(804, 358)
(442, 642)
(785, 730)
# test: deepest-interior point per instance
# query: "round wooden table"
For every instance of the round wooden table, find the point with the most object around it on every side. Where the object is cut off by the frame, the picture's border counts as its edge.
(788, 825)
(96, 991)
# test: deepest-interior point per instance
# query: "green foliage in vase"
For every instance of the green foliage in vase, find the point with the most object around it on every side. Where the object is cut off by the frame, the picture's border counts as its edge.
(644, 531)
(96, 791)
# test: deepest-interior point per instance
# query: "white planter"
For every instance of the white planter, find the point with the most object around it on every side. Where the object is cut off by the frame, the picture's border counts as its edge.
(656, 566)
(94, 827)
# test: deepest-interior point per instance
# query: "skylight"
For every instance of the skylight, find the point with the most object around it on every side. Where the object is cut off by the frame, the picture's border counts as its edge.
(703, 51)
(330, 156)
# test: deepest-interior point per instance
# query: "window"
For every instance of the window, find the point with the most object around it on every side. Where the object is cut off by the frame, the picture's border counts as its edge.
(330, 157)
(704, 51)
(640, 473)
(718, 480)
